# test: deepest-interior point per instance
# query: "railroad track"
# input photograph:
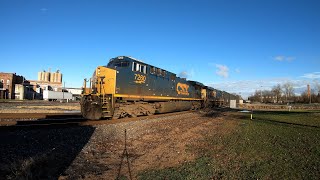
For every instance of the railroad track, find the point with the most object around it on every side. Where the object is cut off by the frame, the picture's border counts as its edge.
(69, 120)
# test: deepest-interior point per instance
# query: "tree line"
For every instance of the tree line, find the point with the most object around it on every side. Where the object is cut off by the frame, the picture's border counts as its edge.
(285, 93)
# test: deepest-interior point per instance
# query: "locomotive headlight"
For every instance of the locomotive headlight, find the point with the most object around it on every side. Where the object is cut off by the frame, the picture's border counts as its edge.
(99, 71)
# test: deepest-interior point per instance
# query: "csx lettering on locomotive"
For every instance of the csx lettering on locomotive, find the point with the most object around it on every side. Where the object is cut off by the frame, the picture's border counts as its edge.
(182, 89)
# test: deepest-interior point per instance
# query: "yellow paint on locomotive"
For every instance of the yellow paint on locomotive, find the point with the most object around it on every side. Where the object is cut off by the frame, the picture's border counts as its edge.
(106, 80)
(155, 97)
(87, 91)
(182, 89)
(214, 94)
(203, 93)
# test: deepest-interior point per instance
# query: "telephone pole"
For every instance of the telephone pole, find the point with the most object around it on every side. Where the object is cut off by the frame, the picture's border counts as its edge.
(309, 93)
(64, 86)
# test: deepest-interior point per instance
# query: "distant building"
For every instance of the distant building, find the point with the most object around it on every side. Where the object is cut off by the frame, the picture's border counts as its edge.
(47, 81)
(51, 79)
(48, 86)
(76, 92)
(50, 95)
(53, 86)
(269, 99)
(7, 84)
(28, 91)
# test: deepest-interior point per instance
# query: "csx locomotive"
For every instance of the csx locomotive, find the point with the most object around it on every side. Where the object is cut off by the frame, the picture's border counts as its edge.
(128, 87)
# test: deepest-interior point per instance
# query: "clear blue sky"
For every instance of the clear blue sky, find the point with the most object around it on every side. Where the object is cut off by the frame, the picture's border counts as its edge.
(238, 45)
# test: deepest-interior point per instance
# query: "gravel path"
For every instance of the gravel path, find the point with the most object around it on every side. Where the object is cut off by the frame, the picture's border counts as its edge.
(38, 107)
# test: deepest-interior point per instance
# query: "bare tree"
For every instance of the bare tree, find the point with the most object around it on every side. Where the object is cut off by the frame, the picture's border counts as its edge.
(304, 97)
(318, 89)
(267, 96)
(288, 90)
(317, 85)
(276, 90)
(256, 96)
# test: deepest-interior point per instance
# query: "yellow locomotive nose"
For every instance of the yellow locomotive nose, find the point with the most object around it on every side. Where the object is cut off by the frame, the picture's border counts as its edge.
(105, 80)
(98, 101)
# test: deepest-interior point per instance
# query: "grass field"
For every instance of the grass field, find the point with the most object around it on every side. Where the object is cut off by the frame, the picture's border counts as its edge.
(274, 145)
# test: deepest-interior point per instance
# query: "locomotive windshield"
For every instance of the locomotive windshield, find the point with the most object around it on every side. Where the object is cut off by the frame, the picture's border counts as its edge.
(119, 64)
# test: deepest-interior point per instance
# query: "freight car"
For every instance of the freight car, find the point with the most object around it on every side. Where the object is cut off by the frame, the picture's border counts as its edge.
(128, 87)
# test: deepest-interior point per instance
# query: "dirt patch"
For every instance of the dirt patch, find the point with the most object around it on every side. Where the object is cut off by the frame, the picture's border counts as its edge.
(152, 144)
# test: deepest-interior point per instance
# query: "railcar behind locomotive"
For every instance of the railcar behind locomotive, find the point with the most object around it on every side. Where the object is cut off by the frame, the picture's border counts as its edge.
(128, 87)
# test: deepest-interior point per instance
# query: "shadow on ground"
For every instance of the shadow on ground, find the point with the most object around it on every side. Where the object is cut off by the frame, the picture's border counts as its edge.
(40, 152)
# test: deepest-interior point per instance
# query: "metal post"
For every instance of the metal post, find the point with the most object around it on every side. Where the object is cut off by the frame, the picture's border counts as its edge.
(309, 93)
(64, 85)
(84, 85)
(310, 99)
(9, 94)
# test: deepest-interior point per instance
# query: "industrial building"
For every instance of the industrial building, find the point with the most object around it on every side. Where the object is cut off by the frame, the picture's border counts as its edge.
(7, 84)
(33, 89)
(76, 93)
(48, 86)
(51, 79)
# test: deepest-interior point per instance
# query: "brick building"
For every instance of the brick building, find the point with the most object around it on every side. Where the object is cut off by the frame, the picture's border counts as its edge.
(7, 84)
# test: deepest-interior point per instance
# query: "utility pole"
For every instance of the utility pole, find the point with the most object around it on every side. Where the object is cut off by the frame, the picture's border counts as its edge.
(309, 93)
(64, 86)
(9, 94)
(261, 94)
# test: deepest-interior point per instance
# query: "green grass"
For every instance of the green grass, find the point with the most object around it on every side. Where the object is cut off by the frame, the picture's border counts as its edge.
(200, 169)
(309, 118)
(275, 145)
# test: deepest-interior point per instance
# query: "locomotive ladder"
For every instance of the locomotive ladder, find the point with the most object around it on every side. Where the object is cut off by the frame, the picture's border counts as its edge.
(107, 104)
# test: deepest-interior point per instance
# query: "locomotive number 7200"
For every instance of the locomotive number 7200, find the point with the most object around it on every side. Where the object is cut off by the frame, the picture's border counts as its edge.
(140, 78)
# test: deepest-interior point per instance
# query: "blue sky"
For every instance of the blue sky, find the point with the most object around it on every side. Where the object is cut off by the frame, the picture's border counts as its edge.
(238, 46)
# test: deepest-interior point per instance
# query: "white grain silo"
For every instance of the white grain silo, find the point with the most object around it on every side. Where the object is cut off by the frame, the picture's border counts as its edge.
(52, 77)
(46, 76)
(59, 77)
(39, 76)
(42, 75)
(49, 76)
